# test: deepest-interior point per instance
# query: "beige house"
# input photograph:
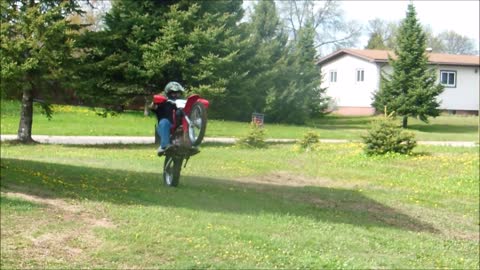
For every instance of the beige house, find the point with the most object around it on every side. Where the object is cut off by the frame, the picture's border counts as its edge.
(352, 76)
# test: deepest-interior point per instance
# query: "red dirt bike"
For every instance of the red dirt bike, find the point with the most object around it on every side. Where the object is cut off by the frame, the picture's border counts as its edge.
(186, 134)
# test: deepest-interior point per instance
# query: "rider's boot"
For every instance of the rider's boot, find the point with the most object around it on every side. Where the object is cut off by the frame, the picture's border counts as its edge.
(194, 150)
(161, 150)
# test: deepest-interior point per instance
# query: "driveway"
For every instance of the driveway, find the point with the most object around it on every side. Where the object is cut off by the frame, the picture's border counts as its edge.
(92, 140)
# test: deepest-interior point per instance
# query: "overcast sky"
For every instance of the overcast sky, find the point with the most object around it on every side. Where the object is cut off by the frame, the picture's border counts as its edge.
(460, 16)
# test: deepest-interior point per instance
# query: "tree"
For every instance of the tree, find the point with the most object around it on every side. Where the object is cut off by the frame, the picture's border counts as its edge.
(199, 45)
(446, 42)
(94, 13)
(112, 71)
(375, 42)
(148, 43)
(385, 136)
(382, 34)
(298, 95)
(433, 43)
(36, 52)
(326, 18)
(411, 91)
(454, 43)
(265, 46)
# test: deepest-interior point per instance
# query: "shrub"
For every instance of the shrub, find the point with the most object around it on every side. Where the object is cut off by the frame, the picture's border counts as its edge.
(309, 140)
(255, 138)
(386, 136)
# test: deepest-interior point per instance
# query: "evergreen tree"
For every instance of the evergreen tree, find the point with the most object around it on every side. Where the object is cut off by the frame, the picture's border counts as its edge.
(112, 71)
(411, 91)
(148, 43)
(36, 53)
(376, 42)
(298, 95)
(266, 44)
(382, 34)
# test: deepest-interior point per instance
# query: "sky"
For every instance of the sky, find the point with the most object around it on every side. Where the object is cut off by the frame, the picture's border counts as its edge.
(460, 16)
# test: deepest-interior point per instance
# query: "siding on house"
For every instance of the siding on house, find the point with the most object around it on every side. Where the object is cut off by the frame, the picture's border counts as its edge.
(355, 98)
(465, 95)
(347, 91)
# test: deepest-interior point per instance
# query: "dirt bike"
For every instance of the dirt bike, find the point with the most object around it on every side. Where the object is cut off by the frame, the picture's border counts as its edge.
(186, 134)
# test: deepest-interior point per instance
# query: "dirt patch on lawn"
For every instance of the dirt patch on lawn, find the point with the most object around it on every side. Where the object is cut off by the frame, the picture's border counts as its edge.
(59, 235)
(71, 212)
(287, 179)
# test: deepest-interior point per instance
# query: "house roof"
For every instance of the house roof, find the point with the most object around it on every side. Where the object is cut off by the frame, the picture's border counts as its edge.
(381, 56)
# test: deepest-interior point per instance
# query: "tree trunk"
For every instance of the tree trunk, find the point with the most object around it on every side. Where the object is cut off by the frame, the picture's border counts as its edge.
(146, 111)
(405, 122)
(26, 118)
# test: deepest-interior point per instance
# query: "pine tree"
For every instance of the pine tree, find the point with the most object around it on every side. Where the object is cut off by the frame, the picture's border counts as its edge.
(265, 45)
(36, 53)
(148, 43)
(198, 45)
(412, 90)
(112, 71)
(298, 95)
(376, 42)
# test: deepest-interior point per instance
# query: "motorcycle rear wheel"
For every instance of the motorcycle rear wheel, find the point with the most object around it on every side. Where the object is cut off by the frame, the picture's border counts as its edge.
(171, 170)
(198, 118)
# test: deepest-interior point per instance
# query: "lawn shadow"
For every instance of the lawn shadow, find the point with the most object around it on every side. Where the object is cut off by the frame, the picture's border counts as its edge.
(444, 128)
(116, 146)
(342, 127)
(335, 205)
(348, 120)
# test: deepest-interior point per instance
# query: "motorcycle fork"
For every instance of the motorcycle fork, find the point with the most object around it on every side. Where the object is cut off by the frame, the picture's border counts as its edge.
(186, 123)
(186, 161)
(187, 128)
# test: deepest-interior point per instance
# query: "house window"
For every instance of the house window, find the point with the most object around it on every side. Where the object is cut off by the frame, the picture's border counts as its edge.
(360, 75)
(333, 76)
(448, 78)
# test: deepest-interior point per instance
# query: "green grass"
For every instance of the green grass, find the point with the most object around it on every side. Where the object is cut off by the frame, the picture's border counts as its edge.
(238, 208)
(69, 120)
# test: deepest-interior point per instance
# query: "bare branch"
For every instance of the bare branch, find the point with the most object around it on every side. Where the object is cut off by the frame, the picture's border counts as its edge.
(326, 18)
(335, 41)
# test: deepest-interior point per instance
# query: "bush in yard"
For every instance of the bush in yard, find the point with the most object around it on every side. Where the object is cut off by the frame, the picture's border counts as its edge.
(255, 138)
(386, 136)
(309, 140)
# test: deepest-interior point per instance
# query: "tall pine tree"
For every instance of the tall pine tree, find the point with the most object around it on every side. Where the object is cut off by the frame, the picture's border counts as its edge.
(298, 95)
(198, 45)
(265, 46)
(376, 42)
(412, 90)
(112, 71)
(148, 43)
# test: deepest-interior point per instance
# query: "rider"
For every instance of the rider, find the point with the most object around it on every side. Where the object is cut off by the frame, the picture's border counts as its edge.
(164, 113)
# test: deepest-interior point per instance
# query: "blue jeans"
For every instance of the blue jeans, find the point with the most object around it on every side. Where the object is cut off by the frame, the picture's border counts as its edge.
(163, 129)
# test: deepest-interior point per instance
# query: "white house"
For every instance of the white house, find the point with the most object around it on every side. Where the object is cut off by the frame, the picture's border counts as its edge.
(351, 76)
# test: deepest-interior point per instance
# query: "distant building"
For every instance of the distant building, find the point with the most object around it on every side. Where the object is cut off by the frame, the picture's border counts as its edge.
(352, 76)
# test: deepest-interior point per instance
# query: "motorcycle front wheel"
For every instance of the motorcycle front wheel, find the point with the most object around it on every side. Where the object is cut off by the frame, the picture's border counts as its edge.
(198, 126)
(171, 170)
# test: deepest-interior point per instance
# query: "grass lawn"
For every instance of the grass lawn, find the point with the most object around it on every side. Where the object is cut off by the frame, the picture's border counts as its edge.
(69, 120)
(105, 207)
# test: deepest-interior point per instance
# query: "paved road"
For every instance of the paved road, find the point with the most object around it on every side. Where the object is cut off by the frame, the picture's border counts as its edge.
(89, 140)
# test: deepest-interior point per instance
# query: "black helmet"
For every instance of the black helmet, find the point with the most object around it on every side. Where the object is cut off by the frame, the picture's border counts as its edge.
(174, 87)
